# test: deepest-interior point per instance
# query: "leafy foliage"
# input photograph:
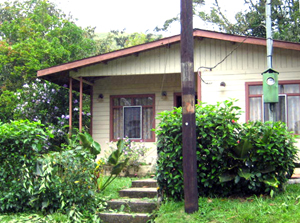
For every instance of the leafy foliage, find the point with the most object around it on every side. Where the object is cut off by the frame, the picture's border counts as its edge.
(48, 103)
(21, 143)
(196, 4)
(89, 144)
(36, 35)
(251, 20)
(66, 179)
(285, 16)
(32, 178)
(117, 39)
(252, 158)
(8, 104)
(115, 160)
(135, 152)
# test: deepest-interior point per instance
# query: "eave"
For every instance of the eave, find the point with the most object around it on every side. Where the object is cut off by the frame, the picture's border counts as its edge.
(63, 69)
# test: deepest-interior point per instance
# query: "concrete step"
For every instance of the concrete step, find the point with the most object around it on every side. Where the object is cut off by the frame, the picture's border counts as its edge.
(145, 183)
(294, 181)
(133, 205)
(139, 210)
(124, 217)
(136, 192)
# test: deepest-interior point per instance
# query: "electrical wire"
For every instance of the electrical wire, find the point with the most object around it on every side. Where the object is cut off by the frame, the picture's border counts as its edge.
(229, 54)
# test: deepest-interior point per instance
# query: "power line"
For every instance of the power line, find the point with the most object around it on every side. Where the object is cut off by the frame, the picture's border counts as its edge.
(229, 54)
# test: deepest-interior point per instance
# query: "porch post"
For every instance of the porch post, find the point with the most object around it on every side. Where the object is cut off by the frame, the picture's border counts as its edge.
(80, 105)
(70, 104)
(91, 110)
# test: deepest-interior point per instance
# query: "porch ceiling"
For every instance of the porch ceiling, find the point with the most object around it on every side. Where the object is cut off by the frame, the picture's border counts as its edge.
(62, 78)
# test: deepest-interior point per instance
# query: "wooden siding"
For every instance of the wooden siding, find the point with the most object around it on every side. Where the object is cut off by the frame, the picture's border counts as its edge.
(247, 58)
(131, 84)
(156, 61)
(157, 70)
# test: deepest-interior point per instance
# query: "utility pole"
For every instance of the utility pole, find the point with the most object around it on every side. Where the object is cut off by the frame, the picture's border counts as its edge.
(188, 108)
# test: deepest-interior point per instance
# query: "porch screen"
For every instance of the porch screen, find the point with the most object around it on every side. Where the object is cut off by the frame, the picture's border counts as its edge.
(132, 117)
(287, 110)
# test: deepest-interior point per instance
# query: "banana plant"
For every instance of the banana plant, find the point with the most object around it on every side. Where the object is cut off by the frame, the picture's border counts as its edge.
(114, 159)
(88, 143)
(239, 153)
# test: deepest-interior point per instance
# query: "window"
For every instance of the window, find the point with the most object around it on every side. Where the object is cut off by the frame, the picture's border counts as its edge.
(287, 110)
(132, 116)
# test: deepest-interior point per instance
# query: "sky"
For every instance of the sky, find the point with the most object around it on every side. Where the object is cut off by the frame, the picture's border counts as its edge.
(134, 15)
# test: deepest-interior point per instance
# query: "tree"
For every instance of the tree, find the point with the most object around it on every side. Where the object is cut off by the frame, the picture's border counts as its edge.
(196, 6)
(46, 102)
(251, 20)
(8, 104)
(36, 35)
(285, 19)
(116, 39)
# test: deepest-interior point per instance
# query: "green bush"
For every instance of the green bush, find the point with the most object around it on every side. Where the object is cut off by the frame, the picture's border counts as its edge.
(21, 142)
(252, 158)
(8, 104)
(66, 179)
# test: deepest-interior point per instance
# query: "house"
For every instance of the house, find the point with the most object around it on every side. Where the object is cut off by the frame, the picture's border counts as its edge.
(129, 87)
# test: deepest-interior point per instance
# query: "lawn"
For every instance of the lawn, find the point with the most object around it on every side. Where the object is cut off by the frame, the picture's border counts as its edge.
(283, 208)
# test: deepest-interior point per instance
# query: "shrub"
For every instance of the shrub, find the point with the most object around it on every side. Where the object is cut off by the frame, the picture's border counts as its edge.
(21, 143)
(66, 178)
(231, 158)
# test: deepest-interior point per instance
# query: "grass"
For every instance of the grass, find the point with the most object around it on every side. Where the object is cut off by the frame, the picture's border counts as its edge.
(112, 191)
(284, 208)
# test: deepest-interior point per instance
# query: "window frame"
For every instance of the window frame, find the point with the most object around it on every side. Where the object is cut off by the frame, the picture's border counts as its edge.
(285, 107)
(133, 96)
(260, 83)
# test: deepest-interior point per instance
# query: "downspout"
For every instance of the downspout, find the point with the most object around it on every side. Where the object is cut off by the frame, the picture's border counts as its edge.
(272, 111)
(269, 34)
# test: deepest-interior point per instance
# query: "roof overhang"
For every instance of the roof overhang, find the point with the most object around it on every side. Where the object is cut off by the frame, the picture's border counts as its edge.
(60, 74)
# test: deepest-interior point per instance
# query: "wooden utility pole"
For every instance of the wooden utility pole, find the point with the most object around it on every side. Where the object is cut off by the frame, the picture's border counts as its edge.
(188, 108)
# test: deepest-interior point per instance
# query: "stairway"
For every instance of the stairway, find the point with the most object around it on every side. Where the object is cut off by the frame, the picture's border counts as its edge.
(135, 205)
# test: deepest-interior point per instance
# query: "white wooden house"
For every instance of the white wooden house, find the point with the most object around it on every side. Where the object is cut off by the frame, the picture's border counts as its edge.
(130, 86)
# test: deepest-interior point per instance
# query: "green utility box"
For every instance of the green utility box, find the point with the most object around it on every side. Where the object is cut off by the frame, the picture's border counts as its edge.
(270, 86)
